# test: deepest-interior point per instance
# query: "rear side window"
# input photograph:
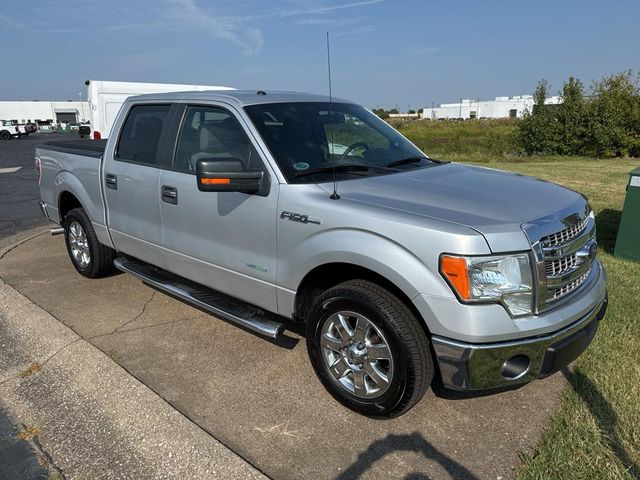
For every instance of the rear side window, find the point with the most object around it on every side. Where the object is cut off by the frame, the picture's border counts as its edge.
(141, 134)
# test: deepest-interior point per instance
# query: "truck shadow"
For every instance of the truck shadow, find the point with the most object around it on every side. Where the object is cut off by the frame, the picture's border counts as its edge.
(413, 443)
(604, 415)
(608, 223)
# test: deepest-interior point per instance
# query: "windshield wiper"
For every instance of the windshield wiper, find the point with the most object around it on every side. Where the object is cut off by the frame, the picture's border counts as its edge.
(338, 168)
(406, 161)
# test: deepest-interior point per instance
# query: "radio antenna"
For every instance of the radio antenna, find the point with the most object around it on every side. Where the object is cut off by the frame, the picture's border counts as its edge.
(334, 195)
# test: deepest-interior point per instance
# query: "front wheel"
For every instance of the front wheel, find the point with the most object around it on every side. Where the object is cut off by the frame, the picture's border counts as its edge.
(5, 135)
(368, 349)
(89, 257)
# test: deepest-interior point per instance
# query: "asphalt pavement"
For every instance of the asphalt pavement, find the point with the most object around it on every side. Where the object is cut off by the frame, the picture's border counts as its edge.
(19, 194)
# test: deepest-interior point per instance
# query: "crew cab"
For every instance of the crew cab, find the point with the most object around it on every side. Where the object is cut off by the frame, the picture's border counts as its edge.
(266, 206)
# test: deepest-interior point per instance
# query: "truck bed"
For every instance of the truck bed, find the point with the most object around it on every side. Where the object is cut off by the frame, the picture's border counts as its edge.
(76, 163)
(86, 148)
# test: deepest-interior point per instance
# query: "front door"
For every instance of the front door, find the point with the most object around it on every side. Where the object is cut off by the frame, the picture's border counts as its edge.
(131, 179)
(224, 240)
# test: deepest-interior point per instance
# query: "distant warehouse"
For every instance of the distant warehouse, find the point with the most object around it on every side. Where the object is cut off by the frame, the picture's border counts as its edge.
(501, 107)
(43, 112)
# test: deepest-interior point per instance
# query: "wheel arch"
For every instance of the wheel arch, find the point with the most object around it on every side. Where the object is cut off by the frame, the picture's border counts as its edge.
(327, 275)
(67, 201)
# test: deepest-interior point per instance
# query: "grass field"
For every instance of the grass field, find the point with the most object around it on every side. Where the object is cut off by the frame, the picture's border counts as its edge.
(470, 140)
(595, 434)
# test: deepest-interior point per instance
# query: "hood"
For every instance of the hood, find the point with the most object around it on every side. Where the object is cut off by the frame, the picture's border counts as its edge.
(492, 202)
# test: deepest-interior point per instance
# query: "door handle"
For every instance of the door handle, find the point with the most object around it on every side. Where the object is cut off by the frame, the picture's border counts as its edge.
(111, 181)
(169, 194)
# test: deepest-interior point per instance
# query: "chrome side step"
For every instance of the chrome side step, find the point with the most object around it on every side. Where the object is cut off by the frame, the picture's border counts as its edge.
(224, 306)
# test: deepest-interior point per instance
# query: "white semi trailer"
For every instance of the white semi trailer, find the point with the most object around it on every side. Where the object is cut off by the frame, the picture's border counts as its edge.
(105, 99)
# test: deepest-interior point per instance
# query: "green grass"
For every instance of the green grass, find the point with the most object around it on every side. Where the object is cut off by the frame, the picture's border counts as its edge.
(595, 433)
(470, 140)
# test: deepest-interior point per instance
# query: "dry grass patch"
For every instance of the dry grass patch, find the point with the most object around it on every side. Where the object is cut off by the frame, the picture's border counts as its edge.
(29, 433)
(35, 367)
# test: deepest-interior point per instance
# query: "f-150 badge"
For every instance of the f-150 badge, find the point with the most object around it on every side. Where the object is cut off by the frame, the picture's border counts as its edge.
(300, 218)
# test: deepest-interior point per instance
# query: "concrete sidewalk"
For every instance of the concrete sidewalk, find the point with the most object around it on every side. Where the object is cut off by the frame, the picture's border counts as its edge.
(96, 420)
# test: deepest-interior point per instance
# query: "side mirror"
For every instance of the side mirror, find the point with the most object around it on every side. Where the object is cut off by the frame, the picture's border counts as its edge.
(226, 175)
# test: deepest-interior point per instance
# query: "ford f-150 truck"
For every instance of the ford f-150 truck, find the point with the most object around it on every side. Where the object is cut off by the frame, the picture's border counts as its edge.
(266, 206)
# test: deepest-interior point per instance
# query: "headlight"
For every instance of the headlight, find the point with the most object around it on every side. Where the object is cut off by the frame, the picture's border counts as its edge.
(505, 279)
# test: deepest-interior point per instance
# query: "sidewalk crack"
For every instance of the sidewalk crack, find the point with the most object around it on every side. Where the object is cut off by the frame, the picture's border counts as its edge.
(142, 312)
(41, 365)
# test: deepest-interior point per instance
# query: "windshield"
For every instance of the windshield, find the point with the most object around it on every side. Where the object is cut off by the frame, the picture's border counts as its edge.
(307, 142)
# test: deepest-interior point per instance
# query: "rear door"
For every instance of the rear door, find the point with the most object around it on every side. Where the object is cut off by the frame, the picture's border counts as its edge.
(131, 178)
(224, 240)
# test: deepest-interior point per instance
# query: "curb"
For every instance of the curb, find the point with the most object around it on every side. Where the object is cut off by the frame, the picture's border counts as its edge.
(97, 420)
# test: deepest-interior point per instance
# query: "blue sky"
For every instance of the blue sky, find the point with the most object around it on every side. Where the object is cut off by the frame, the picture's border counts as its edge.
(384, 52)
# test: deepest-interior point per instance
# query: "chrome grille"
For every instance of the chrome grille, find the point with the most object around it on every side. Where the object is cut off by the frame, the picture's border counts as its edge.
(558, 293)
(560, 265)
(564, 251)
(565, 235)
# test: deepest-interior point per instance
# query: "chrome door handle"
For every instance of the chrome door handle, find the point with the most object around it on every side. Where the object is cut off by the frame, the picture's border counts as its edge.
(169, 194)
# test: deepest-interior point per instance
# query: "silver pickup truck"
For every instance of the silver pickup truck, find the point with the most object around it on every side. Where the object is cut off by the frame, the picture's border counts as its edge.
(264, 207)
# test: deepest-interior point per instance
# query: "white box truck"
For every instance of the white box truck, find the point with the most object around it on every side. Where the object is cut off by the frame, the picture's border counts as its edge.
(105, 99)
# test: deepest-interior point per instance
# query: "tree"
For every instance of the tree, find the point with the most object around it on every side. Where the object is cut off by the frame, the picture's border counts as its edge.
(538, 132)
(540, 93)
(615, 116)
(572, 119)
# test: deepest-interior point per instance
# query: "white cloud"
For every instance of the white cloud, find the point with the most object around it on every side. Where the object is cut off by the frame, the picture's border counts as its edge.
(233, 29)
(425, 51)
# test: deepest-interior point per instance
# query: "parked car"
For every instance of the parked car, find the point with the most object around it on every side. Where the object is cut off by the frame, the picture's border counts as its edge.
(402, 268)
(10, 129)
(84, 130)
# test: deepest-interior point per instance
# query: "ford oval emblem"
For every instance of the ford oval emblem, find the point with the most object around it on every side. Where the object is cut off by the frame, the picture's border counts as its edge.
(588, 251)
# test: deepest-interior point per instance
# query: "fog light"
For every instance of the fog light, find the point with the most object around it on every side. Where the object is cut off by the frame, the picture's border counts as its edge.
(515, 367)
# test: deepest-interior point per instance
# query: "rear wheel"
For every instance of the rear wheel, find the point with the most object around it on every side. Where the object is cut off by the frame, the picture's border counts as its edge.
(368, 349)
(89, 257)
(5, 135)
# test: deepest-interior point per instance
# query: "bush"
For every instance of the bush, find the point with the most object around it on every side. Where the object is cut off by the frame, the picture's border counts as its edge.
(606, 124)
(615, 117)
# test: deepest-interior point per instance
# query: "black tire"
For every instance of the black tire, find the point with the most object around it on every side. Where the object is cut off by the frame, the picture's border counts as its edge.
(413, 368)
(101, 256)
(5, 135)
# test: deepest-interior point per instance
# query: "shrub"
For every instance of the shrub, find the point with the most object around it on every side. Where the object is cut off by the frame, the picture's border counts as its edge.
(607, 124)
(615, 116)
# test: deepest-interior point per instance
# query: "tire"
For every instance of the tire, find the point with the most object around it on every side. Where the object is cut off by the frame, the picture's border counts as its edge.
(389, 323)
(89, 257)
(5, 135)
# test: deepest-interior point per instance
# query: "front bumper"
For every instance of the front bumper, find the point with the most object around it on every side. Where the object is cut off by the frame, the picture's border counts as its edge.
(468, 366)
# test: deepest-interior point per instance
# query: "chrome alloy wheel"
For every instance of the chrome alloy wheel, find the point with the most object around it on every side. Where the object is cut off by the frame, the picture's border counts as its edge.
(357, 354)
(79, 245)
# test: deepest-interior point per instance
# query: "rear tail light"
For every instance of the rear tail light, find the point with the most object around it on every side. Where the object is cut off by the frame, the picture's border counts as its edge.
(96, 135)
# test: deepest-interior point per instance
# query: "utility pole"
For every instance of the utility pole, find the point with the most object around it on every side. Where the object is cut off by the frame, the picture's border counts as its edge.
(460, 112)
(81, 106)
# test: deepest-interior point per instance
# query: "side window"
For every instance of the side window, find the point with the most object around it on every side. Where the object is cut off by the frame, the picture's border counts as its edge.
(140, 134)
(211, 132)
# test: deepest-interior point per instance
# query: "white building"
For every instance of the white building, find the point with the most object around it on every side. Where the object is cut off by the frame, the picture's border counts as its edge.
(41, 111)
(501, 107)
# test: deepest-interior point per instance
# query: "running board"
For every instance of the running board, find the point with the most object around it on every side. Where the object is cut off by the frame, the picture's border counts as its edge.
(224, 306)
